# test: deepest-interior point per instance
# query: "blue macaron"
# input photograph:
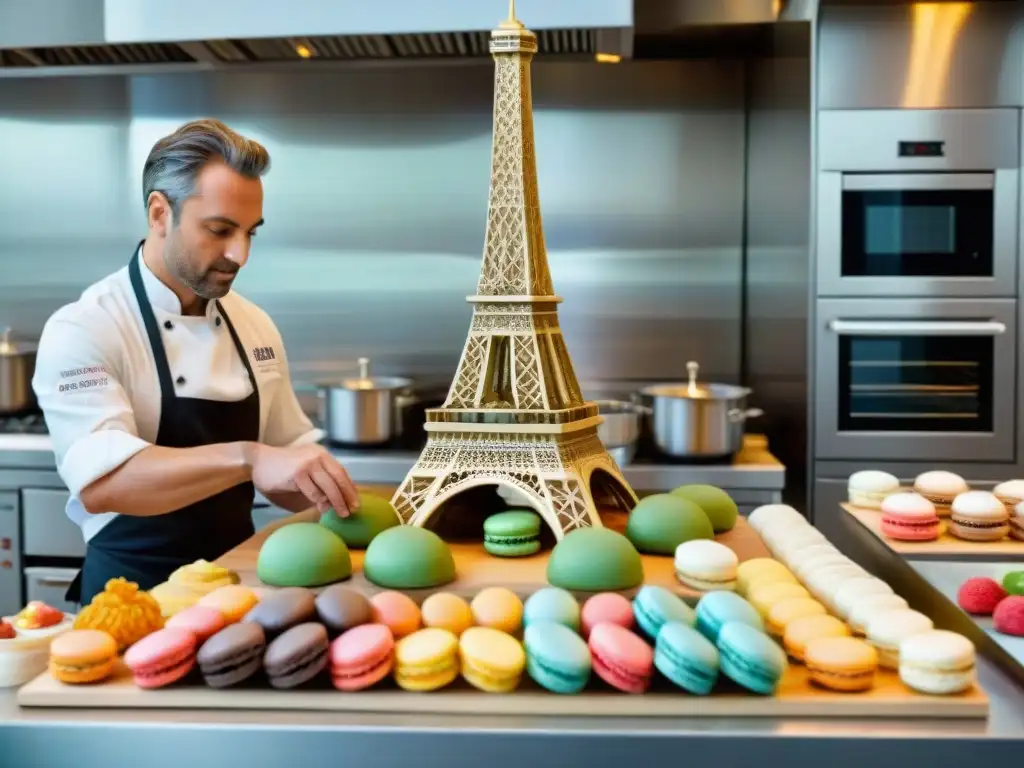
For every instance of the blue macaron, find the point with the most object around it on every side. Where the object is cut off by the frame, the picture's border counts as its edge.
(654, 606)
(552, 604)
(750, 658)
(556, 657)
(687, 658)
(717, 609)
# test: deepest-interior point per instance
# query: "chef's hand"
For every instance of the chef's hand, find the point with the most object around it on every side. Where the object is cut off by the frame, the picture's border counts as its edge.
(306, 469)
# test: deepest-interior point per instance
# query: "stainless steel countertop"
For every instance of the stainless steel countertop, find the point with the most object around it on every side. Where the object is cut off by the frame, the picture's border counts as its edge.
(33, 452)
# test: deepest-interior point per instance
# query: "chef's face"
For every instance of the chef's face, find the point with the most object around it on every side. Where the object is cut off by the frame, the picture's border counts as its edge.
(210, 238)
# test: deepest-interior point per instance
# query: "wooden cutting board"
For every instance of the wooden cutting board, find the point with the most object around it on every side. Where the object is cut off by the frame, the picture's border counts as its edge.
(795, 697)
(945, 545)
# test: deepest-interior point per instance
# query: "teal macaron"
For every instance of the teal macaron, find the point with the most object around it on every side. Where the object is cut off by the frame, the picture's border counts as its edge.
(750, 658)
(552, 604)
(716, 609)
(687, 658)
(515, 533)
(556, 657)
(654, 606)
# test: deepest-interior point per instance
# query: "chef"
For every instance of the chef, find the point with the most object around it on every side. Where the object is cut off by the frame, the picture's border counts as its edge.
(167, 394)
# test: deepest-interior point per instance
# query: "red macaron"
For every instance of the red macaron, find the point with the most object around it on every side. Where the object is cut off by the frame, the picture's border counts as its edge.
(980, 596)
(1009, 616)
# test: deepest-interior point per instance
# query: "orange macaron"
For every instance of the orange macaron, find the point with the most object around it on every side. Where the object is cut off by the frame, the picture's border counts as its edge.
(82, 656)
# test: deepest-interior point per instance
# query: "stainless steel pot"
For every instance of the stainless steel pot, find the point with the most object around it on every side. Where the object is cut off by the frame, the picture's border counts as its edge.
(17, 365)
(696, 420)
(363, 410)
(621, 428)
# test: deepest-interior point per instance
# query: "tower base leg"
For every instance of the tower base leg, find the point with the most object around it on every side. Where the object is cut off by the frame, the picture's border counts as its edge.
(557, 473)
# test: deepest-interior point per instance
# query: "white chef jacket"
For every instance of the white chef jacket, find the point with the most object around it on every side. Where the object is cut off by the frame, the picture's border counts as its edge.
(96, 379)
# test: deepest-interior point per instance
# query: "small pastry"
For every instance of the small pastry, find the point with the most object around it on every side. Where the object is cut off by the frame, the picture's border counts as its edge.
(361, 657)
(447, 611)
(201, 620)
(716, 609)
(398, 611)
(233, 600)
(687, 658)
(910, 517)
(203, 577)
(706, 565)
(800, 632)
(887, 630)
(750, 658)
(233, 655)
(1017, 522)
(782, 613)
(655, 606)
(25, 642)
(123, 611)
(282, 610)
(770, 514)
(940, 488)
(868, 488)
(764, 597)
(548, 604)
(515, 533)
(853, 591)
(556, 657)
(937, 662)
(38, 615)
(980, 596)
(83, 656)
(978, 516)
(760, 571)
(605, 607)
(1008, 617)
(340, 609)
(841, 663)
(499, 608)
(296, 656)
(1011, 493)
(621, 658)
(162, 658)
(865, 610)
(428, 659)
(492, 660)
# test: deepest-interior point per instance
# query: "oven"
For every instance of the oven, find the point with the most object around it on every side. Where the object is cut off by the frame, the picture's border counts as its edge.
(915, 379)
(918, 203)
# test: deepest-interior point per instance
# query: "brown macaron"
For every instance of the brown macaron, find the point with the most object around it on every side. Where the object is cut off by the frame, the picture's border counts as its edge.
(283, 609)
(340, 609)
(297, 656)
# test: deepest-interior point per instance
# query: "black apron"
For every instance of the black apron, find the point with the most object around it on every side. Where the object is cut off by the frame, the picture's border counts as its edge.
(146, 550)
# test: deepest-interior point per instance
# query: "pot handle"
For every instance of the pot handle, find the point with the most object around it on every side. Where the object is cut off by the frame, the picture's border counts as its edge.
(737, 415)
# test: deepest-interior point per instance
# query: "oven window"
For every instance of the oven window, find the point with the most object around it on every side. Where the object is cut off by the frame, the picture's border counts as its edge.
(917, 233)
(915, 383)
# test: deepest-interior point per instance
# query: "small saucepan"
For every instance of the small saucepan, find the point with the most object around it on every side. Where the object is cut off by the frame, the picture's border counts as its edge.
(365, 410)
(17, 366)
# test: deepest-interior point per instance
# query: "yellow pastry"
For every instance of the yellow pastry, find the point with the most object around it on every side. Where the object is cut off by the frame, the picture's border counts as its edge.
(492, 660)
(123, 611)
(173, 598)
(232, 600)
(764, 596)
(203, 577)
(426, 660)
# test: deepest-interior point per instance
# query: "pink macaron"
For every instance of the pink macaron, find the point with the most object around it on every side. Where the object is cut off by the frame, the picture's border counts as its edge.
(362, 656)
(162, 658)
(201, 620)
(621, 658)
(606, 607)
(909, 517)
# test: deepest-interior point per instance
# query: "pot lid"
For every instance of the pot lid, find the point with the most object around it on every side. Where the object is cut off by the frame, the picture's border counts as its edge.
(9, 349)
(694, 390)
(365, 381)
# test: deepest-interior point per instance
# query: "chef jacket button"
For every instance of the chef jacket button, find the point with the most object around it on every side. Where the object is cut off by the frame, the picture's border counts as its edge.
(168, 324)
(180, 380)
(217, 321)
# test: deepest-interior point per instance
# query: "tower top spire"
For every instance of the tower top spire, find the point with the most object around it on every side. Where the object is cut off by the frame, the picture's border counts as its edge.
(511, 22)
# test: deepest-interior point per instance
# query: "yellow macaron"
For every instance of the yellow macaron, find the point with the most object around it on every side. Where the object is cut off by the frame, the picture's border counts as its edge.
(233, 600)
(426, 660)
(447, 611)
(760, 571)
(764, 596)
(791, 609)
(492, 660)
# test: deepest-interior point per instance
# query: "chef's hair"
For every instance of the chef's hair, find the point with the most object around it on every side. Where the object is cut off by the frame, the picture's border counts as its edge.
(174, 162)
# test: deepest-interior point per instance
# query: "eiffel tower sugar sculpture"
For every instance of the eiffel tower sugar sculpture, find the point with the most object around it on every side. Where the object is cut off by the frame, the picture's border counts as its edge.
(514, 415)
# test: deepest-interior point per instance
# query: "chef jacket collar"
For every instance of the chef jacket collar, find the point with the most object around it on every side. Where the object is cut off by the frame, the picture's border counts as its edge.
(162, 297)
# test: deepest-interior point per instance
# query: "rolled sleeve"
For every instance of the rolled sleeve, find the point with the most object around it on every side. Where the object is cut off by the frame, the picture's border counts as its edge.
(77, 382)
(287, 424)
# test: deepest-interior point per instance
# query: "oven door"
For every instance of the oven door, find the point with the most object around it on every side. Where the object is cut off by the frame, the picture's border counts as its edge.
(915, 379)
(917, 234)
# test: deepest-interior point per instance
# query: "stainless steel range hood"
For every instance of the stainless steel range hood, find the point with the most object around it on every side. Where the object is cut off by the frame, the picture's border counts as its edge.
(82, 36)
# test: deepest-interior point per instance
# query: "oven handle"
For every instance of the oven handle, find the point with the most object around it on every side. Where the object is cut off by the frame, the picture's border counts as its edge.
(917, 181)
(917, 327)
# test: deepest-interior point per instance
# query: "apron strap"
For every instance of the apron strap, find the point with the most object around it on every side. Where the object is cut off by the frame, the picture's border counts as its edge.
(156, 343)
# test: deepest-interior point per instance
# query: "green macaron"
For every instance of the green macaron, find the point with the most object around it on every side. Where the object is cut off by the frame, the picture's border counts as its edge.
(660, 523)
(514, 533)
(716, 503)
